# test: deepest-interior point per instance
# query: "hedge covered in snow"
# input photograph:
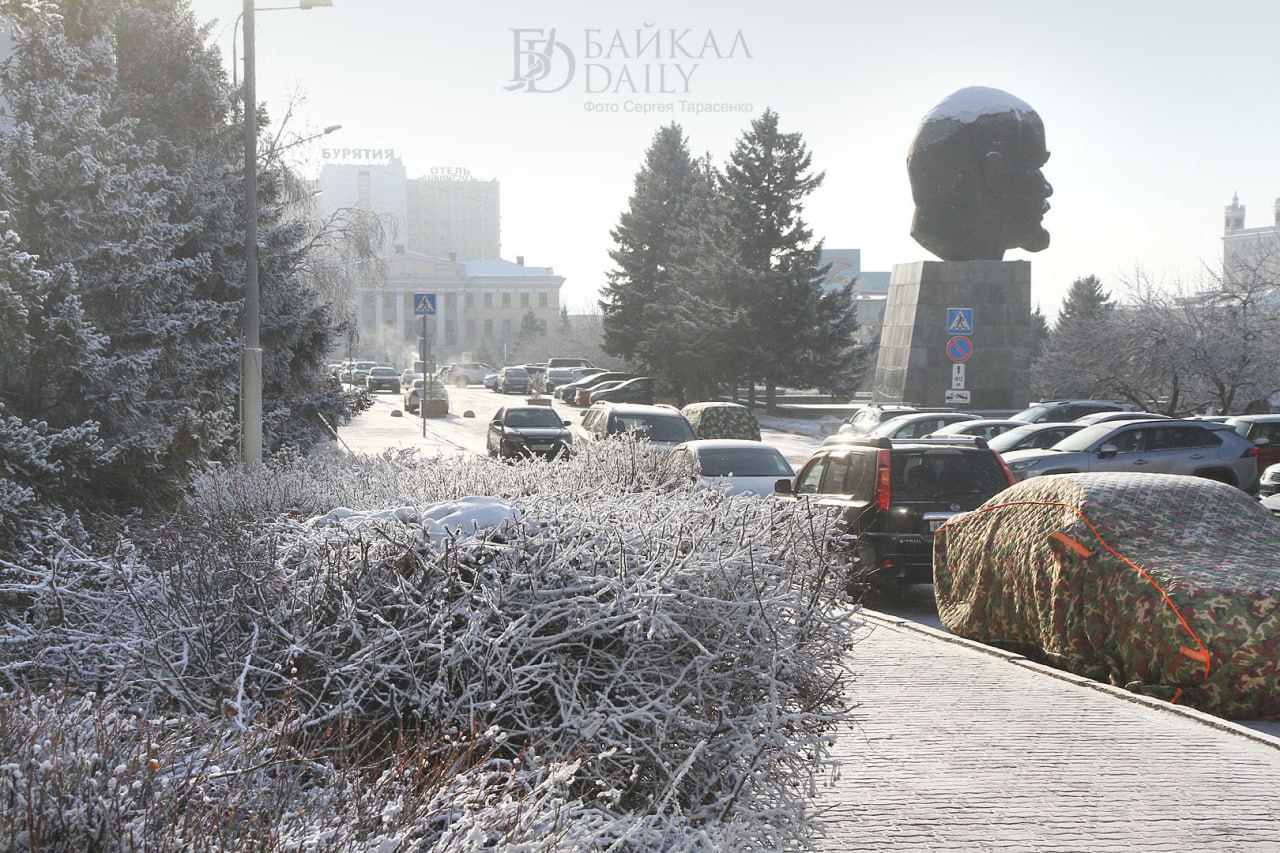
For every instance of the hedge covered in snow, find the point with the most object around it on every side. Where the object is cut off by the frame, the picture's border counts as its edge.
(361, 652)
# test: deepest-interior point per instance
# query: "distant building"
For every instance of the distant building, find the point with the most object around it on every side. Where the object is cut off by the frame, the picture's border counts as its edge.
(1249, 252)
(870, 289)
(444, 238)
(478, 304)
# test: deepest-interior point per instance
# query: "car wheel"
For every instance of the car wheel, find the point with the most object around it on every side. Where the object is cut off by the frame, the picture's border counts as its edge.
(460, 382)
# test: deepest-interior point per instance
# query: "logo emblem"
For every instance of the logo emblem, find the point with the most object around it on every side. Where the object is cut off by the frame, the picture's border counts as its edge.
(541, 64)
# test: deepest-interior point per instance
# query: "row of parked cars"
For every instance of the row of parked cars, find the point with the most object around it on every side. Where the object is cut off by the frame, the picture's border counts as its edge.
(720, 440)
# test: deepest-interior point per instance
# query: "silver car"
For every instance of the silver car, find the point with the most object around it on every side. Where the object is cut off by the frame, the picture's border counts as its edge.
(1166, 446)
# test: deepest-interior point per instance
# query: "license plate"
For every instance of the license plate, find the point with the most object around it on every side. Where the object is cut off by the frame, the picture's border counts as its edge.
(935, 523)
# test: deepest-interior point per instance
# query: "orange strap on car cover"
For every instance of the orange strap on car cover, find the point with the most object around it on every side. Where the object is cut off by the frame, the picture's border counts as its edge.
(1071, 543)
(1199, 653)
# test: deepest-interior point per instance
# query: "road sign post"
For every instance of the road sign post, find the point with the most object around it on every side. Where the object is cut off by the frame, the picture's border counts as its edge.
(424, 305)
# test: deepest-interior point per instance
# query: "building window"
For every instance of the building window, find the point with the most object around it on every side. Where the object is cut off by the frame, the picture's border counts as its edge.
(470, 300)
(524, 300)
(542, 300)
(488, 326)
(488, 300)
(506, 300)
(506, 328)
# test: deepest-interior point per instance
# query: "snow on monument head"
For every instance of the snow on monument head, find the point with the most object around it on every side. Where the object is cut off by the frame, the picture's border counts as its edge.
(975, 170)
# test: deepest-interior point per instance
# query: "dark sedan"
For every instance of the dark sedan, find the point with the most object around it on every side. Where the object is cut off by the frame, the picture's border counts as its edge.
(517, 432)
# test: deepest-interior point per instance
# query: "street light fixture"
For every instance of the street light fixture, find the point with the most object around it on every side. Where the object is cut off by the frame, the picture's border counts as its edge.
(251, 359)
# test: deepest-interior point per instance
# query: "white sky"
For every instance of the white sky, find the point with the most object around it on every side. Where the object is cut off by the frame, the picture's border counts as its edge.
(1156, 111)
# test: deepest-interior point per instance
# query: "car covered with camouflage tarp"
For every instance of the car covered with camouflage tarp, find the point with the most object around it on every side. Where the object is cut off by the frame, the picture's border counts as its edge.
(722, 420)
(1166, 585)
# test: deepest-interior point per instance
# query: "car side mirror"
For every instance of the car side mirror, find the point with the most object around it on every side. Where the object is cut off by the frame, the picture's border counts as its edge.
(1107, 451)
(566, 423)
(782, 487)
(1261, 441)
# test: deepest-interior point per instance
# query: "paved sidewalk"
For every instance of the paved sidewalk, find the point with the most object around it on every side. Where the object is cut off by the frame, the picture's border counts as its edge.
(960, 747)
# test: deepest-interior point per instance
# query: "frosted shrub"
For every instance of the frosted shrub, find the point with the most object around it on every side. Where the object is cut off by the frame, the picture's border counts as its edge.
(455, 653)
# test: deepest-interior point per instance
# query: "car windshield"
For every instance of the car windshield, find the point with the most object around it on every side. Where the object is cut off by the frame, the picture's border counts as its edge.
(515, 371)
(382, 371)
(539, 417)
(1008, 440)
(744, 462)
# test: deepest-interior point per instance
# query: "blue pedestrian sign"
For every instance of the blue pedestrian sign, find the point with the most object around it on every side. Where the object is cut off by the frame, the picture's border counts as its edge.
(424, 304)
(959, 321)
(959, 348)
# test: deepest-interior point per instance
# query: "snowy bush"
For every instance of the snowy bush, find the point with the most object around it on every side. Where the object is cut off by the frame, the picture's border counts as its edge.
(464, 652)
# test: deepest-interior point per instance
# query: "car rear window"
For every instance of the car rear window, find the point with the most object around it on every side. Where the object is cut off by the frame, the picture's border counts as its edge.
(939, 473)
(743, 462)
(653, 427)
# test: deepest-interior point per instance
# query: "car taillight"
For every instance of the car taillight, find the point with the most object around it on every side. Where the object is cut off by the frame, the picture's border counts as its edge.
(1008, 475)
(1252, 451)
(882, 481)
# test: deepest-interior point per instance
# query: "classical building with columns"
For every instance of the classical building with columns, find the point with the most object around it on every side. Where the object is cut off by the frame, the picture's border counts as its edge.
(480, 304)
(443, 236)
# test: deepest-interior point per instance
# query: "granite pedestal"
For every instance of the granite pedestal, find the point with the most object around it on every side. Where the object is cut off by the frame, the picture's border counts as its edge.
(940, 314)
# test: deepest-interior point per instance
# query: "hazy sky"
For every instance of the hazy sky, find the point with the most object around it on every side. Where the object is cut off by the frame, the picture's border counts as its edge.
(1155, 112)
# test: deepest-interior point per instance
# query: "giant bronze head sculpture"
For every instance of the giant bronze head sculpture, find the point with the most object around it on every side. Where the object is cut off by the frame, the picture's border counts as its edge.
(975, 176)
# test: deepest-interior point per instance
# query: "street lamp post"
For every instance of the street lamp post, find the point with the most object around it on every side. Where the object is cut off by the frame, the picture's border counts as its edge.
(251, 359)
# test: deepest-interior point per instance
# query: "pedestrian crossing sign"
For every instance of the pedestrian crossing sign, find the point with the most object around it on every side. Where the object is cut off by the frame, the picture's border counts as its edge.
(424, 304)
(959, 321)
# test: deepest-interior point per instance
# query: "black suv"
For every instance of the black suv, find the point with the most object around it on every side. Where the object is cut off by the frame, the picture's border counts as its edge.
(893, 495)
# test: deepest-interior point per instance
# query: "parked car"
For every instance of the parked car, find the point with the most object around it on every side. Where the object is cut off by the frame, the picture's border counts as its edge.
(1264, 432)
(408, 375)
(638, 390)
(537, 373)
(918, 425)
(513, 380)
(603, 386)
(987, 428)
(1109, 417)
(561, 361)
(463, 373)
(1033, 436)
(436, 391)
(1067, 410)
(491, 381)
(738, 466)
(523, 431)
(1165, 446)
(1269, 482)
(869, 417)
(714, 419)
(663, 426)
(893, 495)
(382, 378)
(559, 376)
(573, 392)
(1165, 584)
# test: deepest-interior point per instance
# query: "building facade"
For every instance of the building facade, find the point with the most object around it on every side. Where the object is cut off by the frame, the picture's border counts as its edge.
(480, 306)
(1249, 253)
(443, 238)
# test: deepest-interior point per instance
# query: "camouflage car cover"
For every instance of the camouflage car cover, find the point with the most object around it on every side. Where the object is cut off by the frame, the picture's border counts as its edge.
(722, 420)
(1166, 585)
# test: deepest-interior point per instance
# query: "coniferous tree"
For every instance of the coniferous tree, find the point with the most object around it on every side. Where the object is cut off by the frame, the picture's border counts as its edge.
(789, 330)
(1075, 360)
(123, 176)
(631, 303)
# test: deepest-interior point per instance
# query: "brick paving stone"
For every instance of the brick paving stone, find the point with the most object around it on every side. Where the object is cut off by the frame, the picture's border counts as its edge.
(958, 749)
